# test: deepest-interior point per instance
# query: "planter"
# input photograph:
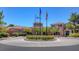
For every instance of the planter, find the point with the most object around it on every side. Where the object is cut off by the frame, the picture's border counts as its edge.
(40, 37)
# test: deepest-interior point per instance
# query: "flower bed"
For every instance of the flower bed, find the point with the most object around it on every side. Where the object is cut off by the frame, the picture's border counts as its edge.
(40, 37)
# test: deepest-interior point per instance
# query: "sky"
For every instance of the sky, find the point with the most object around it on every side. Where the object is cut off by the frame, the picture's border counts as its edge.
(25, 16)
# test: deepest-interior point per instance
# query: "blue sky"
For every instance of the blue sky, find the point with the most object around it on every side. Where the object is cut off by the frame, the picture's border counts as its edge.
(25, 16)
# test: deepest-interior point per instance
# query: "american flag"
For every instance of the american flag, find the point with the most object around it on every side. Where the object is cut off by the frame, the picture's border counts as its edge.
(38, 17)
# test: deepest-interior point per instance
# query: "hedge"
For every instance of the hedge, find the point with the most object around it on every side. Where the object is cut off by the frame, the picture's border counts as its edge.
(40, 37)
(74, 35)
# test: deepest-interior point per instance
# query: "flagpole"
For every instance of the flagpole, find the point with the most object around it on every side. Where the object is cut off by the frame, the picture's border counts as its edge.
(40, 19)
(46, 26)
(46, 22)
(40, 25)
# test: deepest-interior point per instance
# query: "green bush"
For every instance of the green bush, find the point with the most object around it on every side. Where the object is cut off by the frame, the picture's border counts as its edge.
(22, 34)
(74, 35)
(2, 34)
(40, 37)
(15, 34)
(18, 34)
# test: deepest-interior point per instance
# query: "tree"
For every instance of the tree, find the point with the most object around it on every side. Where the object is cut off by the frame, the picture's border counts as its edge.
(43, 29)
(11, 25)
(3, 29)
(36, 29)
(1, 18)
(70, 25)
(46, 32)
(77, 25)
(54, 29)
(74, 17)
(27, 30)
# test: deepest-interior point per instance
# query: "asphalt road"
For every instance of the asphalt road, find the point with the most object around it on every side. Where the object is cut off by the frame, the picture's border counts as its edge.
(15, 48)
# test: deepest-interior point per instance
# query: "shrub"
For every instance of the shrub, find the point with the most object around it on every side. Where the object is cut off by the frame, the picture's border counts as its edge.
(15, 34)
(40, 37)
(22, 34)
(2, 34)
(74, 35)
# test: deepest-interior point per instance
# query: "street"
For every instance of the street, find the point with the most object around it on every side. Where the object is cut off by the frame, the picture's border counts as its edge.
(19, 44)
(15, 48)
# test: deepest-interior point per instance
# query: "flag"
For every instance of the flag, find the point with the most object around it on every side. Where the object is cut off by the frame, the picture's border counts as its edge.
(37, 17)
(46, 15)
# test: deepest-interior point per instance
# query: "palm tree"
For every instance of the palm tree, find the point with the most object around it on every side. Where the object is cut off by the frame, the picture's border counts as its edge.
(74, 18)
(1, 18)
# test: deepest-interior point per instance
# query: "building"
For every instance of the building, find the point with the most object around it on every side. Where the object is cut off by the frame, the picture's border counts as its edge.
(38, 26)
(60, 27)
